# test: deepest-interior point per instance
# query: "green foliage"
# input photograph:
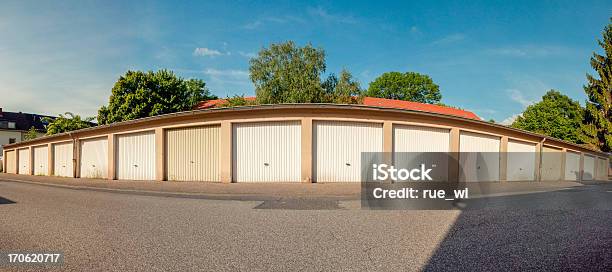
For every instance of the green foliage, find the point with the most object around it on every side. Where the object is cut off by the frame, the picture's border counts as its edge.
(343, 90)
(66, 122)
(31, 134)
(140, 94)
(597, 127)
(236, 101)
(286, 73)
(556, 115)
(409, 86)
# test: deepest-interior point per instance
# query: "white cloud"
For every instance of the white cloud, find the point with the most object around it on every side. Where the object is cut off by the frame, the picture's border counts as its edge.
(529, 51)
(452, 38)
(508, 121)
(322, 13)
(276, 20)
(227, 73)
(206, 52)
(247, 54)
(414, 30)
(518, 96)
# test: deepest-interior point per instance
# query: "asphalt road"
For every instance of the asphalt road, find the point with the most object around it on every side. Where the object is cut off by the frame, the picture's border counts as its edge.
(102, 231)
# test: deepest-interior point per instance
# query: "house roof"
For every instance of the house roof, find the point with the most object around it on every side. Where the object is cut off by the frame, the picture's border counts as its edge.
(23, 121)
(376, 102)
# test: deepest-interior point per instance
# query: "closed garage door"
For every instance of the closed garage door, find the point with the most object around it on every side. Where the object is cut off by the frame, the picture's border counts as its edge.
(551, 163)
(479, 158)
(572, 166)
(11, 164)
(41, 160)
(602, 169)
(193, 153)
(24, 161)
(136, 156)
(94, 158)
(338, 148)
(589, 168)
(521, 161)
(415, 145)
(267, 151)
(62, 160)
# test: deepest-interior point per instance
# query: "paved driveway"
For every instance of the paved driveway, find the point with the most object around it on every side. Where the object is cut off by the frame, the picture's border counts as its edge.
(111, 231)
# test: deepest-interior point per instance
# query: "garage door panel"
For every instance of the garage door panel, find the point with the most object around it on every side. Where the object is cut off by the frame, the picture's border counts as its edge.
(416, 145)
(136, 156)
(479, 157)
(11, 164)
(24, 161)
(267, 151)
(62, 160)
(572, 166)
(338, 147)
(41, 160)
(521, 161)
(551, 164)
(94, 158)
(589, 168)
(193, 154)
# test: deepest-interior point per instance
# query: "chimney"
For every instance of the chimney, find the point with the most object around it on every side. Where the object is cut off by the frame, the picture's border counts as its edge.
(0, 112)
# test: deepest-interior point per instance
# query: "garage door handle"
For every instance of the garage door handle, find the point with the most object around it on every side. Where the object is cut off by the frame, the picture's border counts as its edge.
(348, 164)
(191, 162)
(93, 165)
(135, 165)
(266, 164)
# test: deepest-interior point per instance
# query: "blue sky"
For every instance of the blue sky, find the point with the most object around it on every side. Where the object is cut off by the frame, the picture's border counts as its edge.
(490, 57)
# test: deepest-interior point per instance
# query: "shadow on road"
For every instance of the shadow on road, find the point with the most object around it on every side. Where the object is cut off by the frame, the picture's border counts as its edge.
(552, 231)
(6, 201)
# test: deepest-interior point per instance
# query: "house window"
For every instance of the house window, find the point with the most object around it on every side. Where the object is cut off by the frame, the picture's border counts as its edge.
(12, 140)
(11, 124)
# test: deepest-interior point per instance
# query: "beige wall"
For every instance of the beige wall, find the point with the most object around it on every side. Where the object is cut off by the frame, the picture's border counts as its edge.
(307, 114)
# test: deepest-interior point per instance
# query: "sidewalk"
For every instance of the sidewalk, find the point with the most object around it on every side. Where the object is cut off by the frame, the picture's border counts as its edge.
(262, 191)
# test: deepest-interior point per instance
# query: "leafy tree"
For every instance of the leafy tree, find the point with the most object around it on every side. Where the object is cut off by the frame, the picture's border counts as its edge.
(66, 122)
(556, 115)
(31, 134)
(286, 73)
(140, 94)
(408, 86)
(236, 101)
(597, 127)
(343, 90)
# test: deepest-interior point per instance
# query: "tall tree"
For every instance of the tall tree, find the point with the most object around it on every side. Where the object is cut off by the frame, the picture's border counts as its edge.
(343, 90)
(597, 127)
(286, 73)
(66, 122)
(408, 86)
(140, 94)
(556, 115)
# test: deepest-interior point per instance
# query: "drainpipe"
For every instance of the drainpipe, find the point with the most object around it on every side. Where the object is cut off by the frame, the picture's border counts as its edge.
(541, 159)
(74, 157)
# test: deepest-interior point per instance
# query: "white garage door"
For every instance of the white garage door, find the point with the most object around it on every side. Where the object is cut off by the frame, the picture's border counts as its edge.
(267, 151)
(193, 153)
(62, 160)
(136, 156)
(41, 160)
(415, 145)
(94, 158)
(24, 161)
(589, 168)
(572, 166)
(479, 158)
(551, 164)
(11, 164)
(602, 169)
(521, 161)
(338, 148)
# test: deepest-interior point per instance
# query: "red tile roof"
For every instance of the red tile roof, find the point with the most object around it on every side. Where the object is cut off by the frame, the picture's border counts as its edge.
(377, 102)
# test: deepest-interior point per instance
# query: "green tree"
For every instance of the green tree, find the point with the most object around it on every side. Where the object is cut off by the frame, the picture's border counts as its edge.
(556, 115)
(66, 122)
(343, 90)
(408, 86)
(140, 94)
(31, 134)
(597, 125)
(286, 73)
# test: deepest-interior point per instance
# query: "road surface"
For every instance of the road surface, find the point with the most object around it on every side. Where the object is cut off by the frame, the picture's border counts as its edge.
(120, 232)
